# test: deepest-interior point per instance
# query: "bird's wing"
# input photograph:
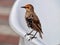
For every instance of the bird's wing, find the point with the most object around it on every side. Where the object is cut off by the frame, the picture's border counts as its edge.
(37, 23)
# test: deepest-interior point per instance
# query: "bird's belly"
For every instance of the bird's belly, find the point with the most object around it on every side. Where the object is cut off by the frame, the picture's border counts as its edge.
(29, 22)
(30, 25)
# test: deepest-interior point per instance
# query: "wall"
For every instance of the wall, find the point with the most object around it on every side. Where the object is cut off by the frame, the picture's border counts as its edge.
(7, 35)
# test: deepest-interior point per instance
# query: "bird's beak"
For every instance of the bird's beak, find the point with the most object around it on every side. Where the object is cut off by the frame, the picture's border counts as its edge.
(23, 7)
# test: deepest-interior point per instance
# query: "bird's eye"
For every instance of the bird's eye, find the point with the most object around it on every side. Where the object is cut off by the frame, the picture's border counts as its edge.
(28, 7)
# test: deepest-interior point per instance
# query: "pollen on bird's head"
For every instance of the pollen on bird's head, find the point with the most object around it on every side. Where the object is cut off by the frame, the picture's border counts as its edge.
(29, 6)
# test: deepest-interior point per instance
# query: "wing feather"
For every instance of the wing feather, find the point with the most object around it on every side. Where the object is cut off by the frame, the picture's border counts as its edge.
(37, 22)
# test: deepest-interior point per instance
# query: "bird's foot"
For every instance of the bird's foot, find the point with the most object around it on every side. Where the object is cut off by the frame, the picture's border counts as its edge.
(32, 38)
(28, 34)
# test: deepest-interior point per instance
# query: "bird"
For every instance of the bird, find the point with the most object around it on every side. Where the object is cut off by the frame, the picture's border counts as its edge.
(32, 20)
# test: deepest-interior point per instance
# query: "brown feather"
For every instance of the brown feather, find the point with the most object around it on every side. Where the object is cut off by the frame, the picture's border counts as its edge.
(32, 19)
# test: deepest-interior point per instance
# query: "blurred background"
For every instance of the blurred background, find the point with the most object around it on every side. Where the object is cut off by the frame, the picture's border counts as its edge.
(7, 35)
(51, 22)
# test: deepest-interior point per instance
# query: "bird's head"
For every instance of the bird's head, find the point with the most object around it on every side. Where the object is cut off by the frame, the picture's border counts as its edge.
(28, 7)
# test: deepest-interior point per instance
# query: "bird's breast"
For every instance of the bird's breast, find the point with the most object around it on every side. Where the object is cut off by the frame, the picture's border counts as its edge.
(27, 14)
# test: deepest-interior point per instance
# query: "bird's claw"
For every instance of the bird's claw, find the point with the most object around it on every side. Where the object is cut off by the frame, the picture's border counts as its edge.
(28, 34)
(32, 38)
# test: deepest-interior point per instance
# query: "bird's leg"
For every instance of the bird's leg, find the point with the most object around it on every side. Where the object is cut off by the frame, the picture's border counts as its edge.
(29, 33)
(33, 36)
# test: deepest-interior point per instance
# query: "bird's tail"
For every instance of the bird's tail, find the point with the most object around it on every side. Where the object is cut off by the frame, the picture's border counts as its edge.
(40, 34)
(41, 30)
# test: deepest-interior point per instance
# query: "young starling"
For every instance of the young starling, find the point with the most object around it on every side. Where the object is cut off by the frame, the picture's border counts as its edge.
(32, 20)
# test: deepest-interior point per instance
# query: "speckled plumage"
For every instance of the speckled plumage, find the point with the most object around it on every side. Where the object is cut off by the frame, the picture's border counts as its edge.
(32, 19)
